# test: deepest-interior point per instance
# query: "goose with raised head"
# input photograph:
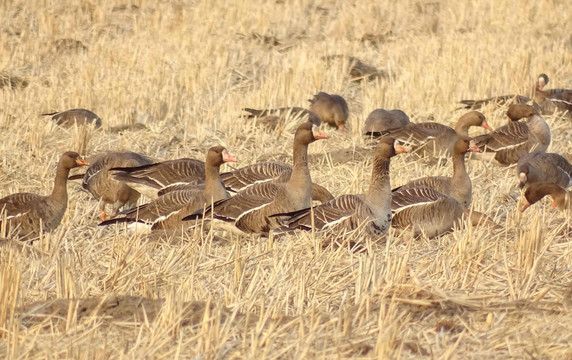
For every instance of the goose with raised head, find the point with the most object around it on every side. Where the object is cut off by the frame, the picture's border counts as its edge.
(458, 186)
(29, 214)
(371, 210)
(514, 140)
(268, 171)
(152, 179)
(100, 182)
(167, 210)
(251, 210)
(438, 137)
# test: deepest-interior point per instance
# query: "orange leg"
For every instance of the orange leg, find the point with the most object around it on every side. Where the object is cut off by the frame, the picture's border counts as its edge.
(102, 214)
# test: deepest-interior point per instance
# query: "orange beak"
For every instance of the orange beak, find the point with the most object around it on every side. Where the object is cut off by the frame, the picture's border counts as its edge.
(554, 204)
(226, 157)
(399, 149)
(318, 135)
(341, 127)
(524, 206)
(81, 162)
(486, 125)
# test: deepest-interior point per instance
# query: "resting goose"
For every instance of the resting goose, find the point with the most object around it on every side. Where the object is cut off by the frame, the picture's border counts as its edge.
(100, 182)
(28, 214)
(151, 179)
(441, 137)
(459, 186)
(380, 121)
(512, 141)
(268, 171)
(251, 209)
(167, 210)
(539, 167)
(371, 210)
(560, 197)
(72, 117)
(426, 210)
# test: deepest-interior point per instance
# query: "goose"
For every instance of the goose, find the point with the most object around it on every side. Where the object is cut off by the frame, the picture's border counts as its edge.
(546, 102)
(380, 121)
(268, 171)
(458, 186)
(512, 141)
(441, 137)
(99, 181)
(560, 197)
(539, 167)
(331, 109)
(72, 117)
(250, 210)
(348, 212)
(167, 210)
(152, 180)
(426, 210)
(30, 214)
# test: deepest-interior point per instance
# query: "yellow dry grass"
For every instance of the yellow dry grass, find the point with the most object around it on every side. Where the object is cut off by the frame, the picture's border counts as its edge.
(185, 69)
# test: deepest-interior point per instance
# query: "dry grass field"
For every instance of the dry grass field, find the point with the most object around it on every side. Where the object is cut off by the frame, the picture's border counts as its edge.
(185, 69)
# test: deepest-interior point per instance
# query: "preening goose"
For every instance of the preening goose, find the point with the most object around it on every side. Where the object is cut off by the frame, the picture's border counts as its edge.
(167, 210)
(28, 214)
(151, 179)
(552, 100)
(371, 210)
(459, 186)
(560, 197)
(439, 137)
(380, 121)
(268, 171)
(250, 210)
(99, 181)
(425, 210)
(512, 141)
(539, 167)
(69, 118)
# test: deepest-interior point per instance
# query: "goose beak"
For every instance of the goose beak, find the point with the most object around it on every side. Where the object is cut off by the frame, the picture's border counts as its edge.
(318, 135)
(81, 162)
(399, 149)
(524, 206)
(486, 125)
(226, 157)
(473, 147)
(554, 204)
(341, 127)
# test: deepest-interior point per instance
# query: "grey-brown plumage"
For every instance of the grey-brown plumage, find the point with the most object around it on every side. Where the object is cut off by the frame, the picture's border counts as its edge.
(251, 210)
(438, 137)
(535, 192)
(72, 117)
(370, 211)
(358, 70)
(268, 171)
(458, 186)
(545, 102)
(425, 210)
(100, 182)
(167, 210)
(540, 167)
(27, 214)
(152, 179)
(380, 121)
(332, 109)
(514, 140)
(275, 118)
